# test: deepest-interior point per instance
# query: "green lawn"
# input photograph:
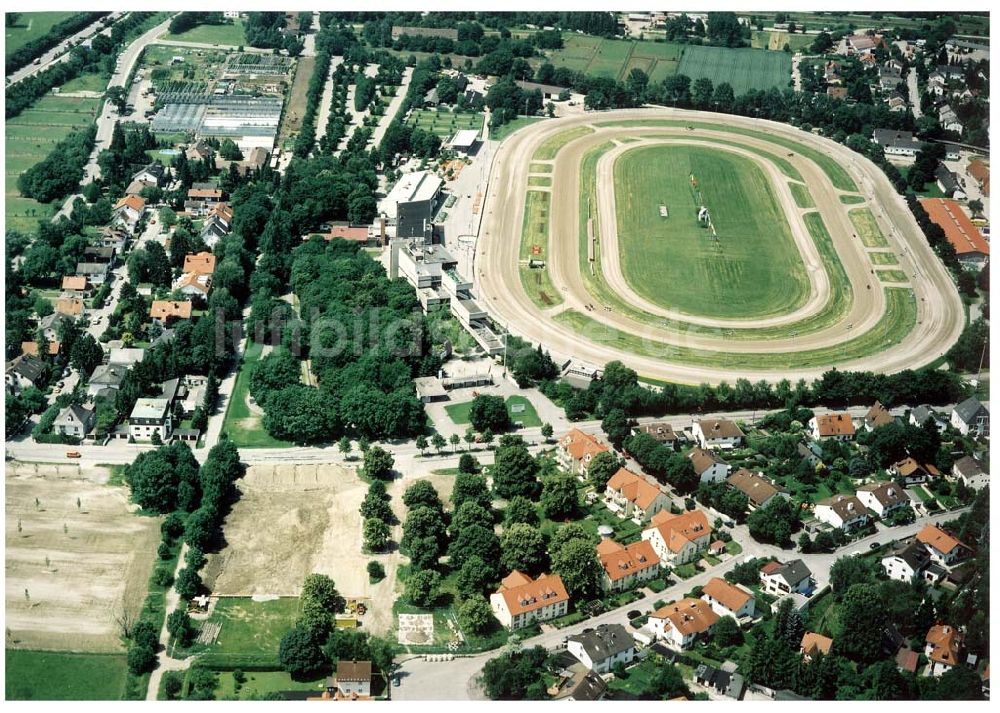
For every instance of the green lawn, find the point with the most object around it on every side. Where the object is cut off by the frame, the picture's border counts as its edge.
(848, 199)
(459, 413)
(242, 425)
(511, 126)
(89, 82)
(251, 631)
(616, 58)
(259, 683)
(754, 269)
(540, 168)
(445, 123)
(59, 676)
(229, 33)
(733, 547)
(801, 195)
(743, 69)
(868, 230)
(535, 245)
(883, 258)
(541, 181)
(892, 276)
(30, 26)
(550, 147)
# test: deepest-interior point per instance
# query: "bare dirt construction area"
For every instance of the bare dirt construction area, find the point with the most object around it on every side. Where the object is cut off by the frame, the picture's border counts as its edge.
(291, 521)
(71, 566)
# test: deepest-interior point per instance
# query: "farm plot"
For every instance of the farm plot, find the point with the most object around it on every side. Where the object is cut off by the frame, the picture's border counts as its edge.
(312, 525)
(445, 123)
(742, 69)
(29, 138)
(616, 58)
(72, 567)
(81, 677)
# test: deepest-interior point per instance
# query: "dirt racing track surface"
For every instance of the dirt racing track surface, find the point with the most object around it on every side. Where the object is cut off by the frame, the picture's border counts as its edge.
(849, 318)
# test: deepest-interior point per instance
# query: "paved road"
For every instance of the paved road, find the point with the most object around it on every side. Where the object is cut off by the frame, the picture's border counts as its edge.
(456, 680)
(498, 281)
(392, 109)
(60, 53)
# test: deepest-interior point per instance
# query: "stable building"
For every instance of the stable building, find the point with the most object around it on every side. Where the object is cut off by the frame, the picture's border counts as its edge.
(896, 143)
(971, 247)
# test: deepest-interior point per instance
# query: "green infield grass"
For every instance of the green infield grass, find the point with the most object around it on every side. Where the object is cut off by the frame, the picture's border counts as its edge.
(883, 258)
(550, 147)
(849, 199)
(801, 194)
(892, 276)
(540, 181)
(535, 246)
(540, 168)
(753, 269)
(868, 230)
(61, 676)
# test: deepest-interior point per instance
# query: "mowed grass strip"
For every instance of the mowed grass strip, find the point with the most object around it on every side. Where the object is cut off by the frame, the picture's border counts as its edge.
(849, 199)
(229, 33)
(540, 168)
(834, 171)
(743, 69)
(868, 230)
(541, 181)
(61, 676)
(802, 197)
(892, 276)
(535, 246)
(550, 147)
(898, 320)
(883, 258)
(753, 270)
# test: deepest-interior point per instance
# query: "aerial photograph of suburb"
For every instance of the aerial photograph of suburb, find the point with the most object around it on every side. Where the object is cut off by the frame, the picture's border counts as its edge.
(475, 352)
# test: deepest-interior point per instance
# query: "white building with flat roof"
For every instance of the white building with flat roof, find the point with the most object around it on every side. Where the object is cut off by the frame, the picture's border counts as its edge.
(410, 204)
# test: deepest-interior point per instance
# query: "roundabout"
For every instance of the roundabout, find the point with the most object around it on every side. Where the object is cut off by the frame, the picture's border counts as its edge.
(698, 247)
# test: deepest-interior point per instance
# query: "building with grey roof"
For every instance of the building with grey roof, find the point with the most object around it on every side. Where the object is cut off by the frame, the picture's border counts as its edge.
(106, 376)
(74, 420)
(603, 648)
(896, 143)
(971, 418)
(149, 417)
(975, 473)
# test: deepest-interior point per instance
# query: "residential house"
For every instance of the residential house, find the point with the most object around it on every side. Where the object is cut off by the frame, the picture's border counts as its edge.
(810, 452)
(708, 465)
(717, 433)
(845, 512)
(680, 623)
(112, 236)
(949, 119)
(862, 44)
(129, 211)
(49, 326)
(814, 644)
(941, 546)
(22, 372)
(906, 660)
(152, 174)
(913, 473)
(195, 287)
(896, 101)
(106, 376)
(149, 417)
(758, 489)
(167, 311)
(831, 72)
(725, 682)
(70, 306)
(837, 426)
(906, 562)
(576, 449)
(136, 187)
(883, 498)
(728, 599)
(948, 182)
(97, 273)
(837, 92)
(937, 84)
(943, 649)
(582, 684)
(125, 356)
(793, 577)
(661, 431)
(32, 348)
(603, 648)
(199, 151)
(920, 414)
(896, 143)
(878, 415)
(971, 417)
(218, 224)
(75, 285)
(973, 472)
(678, 539)
(631, 496)
(354, 679)
(889, 78)
(521, 600)
(74, 420)
(626, 566)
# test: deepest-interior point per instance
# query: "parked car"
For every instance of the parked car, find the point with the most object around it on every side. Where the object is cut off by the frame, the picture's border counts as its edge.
(73, 454)
(874, 546)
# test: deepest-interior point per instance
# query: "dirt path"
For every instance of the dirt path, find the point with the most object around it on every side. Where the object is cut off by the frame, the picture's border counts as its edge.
(165, 662)
(939, 311)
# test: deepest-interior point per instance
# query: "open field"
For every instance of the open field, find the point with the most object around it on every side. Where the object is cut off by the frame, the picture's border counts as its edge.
(229, 33)
(243, 424)
(743, 69)
(776, 40)
(30, 26)
(259, 683)
(511, 126)
(58, 676)
(616, 58)
(295, 106)
(444, 123)
(30, 136)
(754, 267)
(868, 230)
(70, 568)
(312, 525)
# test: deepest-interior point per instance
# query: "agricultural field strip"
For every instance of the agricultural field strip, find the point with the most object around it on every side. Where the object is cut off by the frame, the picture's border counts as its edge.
(742, 69)
(832, 312)
(894, 324)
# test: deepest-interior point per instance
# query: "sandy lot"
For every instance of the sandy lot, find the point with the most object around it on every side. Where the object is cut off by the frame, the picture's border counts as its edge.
(99, 555)
(292, 520)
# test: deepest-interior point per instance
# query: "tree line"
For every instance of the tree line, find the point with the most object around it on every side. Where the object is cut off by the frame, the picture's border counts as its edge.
(58, 32)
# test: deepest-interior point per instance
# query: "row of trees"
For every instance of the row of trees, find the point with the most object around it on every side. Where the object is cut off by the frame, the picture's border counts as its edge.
(58, 174)
(56, 34)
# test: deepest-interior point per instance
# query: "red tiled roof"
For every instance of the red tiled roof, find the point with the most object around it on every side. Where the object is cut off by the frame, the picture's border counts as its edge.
(523, 594)
(957, 226)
